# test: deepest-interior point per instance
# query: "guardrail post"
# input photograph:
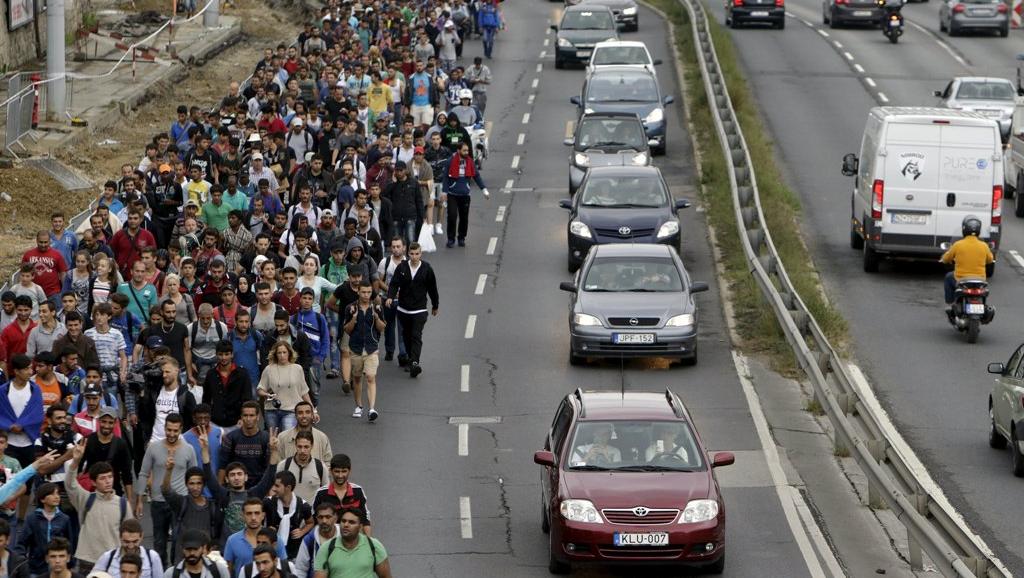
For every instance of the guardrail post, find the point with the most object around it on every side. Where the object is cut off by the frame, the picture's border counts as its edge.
(877, 450)
(914, 552)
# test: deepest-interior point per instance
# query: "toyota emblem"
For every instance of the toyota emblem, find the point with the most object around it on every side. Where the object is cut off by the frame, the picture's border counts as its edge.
(624, 231)
(640, 511)
(633, 321)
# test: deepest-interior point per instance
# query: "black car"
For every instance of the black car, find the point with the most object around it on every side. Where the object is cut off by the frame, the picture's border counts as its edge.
(627, 89)
(633, 301)
(838, 13)
(625, 11)
(621, 205)
(581, 28)
(607, 139)
(739, 12)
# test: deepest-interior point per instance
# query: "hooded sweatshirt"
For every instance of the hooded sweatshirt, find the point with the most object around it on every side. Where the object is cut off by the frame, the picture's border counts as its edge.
(370, 271)
(453, 135)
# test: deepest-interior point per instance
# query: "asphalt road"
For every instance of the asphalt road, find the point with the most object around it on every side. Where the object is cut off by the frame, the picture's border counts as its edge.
(444, 514)
(814, 86)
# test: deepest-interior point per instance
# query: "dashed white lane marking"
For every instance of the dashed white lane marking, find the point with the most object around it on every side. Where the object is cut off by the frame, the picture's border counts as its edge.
(521, 139)
(837, 43)
(491, 246)
(823, 33)
(526, 118)
(463, 439)
(848, 56)
(464, 379)
(508, 185)
(858, 68)
(945, 46)
(882, 97)
(1016, 257)
(501, 214)
(530, 99)
(543, 53)
(540, 67)
(470, 326)
(480, 283)
(870, 82)
(547, 41)
(465, 518)
(535, 82)
(807, 23)
(515, 162)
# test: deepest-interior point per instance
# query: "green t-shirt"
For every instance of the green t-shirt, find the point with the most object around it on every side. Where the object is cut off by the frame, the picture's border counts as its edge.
(216, 216)
(354, 563)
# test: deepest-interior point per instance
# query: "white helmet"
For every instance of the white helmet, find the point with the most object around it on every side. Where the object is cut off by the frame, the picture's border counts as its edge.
(466, 93)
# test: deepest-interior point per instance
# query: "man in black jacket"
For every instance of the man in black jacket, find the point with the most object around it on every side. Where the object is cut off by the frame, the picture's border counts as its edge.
(226, 387)
(411, 284)
(406, 203)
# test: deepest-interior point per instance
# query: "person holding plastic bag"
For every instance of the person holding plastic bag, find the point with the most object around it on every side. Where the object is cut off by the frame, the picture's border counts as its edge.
(462, 172)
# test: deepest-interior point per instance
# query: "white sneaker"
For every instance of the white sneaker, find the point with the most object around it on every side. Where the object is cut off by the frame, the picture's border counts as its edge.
(372, 415)
(357, 412)
(438, 229)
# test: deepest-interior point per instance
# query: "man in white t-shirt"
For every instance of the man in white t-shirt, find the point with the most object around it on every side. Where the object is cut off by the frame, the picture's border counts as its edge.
(172, 398)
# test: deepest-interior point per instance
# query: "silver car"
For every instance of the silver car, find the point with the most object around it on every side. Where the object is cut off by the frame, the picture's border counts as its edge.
(1006, 409)
(956, 16)
(992, 97)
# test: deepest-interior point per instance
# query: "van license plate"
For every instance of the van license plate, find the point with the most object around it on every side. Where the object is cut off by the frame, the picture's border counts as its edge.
(641, 539)
(908, 219)
(583, 53)
(759, 13)
(641, 338)
(975, 308)
(862, 13)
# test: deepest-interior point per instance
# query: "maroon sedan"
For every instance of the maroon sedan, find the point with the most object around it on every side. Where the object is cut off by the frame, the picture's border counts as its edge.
(627, 480)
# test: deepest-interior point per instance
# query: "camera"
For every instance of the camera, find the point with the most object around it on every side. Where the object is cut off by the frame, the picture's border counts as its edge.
(276, 403)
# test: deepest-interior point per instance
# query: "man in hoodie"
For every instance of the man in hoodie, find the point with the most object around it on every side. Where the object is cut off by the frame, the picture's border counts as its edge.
(314, 326)
(42, 525)
(356, 255)
(453, 135)
(406, 203)
(411, 285)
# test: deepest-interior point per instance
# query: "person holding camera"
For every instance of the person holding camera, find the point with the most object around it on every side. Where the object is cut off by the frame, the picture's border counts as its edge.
(364, 324)
(282, 386)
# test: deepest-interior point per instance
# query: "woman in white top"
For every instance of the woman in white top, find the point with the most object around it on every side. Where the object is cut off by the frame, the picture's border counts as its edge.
(184, 308)
(78, 280)
(107, 280)
(282, 386)
(311, 279)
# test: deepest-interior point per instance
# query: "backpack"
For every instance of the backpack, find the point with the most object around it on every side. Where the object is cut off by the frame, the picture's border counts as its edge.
(195, 330)
(319, 467)
(78, 407)
(212, 568)
(91, 501)
(333, 544)
(149, 553)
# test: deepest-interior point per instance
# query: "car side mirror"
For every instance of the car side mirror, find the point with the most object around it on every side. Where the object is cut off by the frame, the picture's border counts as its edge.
(850, 165)
(544, 458)
(996, 368)
(567, 142)
(718, 460)
(669, 99)
(698, 287)
(568, 286)
(565, 204)
(656, 62)
(937, 93)
(554, 27)
(575, 100)
(682, 204)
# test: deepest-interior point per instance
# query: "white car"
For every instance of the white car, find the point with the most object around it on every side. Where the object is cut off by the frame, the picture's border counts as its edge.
(621, 53)
(992, 97)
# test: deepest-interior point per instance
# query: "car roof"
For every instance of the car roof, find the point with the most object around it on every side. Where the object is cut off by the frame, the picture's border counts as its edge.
(631, 250)
(589, 115)
(624, 171)
(584, 8)
(605, 43)
(991, 79)
(925, 114)
(630, 69)
(604, 405)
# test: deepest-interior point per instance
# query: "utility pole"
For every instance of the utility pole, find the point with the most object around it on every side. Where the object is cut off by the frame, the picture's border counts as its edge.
(211, 18)
(55, 88)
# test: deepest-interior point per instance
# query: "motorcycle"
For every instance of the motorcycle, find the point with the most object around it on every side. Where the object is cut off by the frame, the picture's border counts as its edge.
(480, 141)
(970, 309)
(892, 20)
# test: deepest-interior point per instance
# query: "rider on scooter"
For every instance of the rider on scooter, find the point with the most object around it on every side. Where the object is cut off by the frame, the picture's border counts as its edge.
(969, 255)
(469, 115)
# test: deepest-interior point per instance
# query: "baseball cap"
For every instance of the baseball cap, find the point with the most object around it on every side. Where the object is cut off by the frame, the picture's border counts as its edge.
(92, 390)
(254, 137)
(227, 288)
(296, 122)
(449, 24)
(154, 341)
(327, 213)
(417, 151)
(307, 291)
(257, 157)
(193, 538)
(106, 411)
(165, 168)
(192, 203)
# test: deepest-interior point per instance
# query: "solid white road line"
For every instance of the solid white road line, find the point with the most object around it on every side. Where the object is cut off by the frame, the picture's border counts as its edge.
(501, 214)
(480, 283)
(848, 56)
(470, 326)
(515, 162)
(463, 439)
(858, 68)
(465, 518)
(535, 82)
(870, 82)
(882, 97)
(521, 139)
(491, 246)
(526, 118)
(464, 379)
(771, 456)
(1016, 257)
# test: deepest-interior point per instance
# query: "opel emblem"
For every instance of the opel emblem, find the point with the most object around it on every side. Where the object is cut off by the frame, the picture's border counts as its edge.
(633, 321)
(624, 231)
(910, 197)
(640, 511)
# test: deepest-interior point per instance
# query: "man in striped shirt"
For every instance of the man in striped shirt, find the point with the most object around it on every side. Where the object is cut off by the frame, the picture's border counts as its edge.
(110, 348)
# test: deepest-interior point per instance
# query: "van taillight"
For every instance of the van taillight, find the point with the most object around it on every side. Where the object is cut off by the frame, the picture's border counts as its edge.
(780, 3)
(997, 204)
(1002, 8)
(959, 9)
(737, 2)
(877, 193)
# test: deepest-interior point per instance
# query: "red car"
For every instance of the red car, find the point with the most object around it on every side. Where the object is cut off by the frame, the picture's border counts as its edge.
(627, 480)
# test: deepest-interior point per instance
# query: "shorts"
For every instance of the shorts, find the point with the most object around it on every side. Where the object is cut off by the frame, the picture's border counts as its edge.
(365, 363)
(24, 454)
(422, 115)
(343, 345)
(427, 193)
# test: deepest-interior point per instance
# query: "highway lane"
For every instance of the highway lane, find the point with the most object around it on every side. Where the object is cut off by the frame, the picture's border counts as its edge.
(451, 504)
(814, 100)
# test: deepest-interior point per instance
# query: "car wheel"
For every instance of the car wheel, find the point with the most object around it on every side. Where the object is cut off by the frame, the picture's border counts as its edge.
(559, 64)
(824, 16)
(635, 27)
(556, 566)
(572, 264)
(832, 22)
(953, 30)
(689, 361)
(871, 259)
(995, 439)
(717, 567)
(1018, 460)
(942, 25)
(1018, 202)
(856, 241)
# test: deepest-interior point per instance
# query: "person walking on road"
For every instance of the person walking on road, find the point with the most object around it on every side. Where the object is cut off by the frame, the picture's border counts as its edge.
(413, 282)
(489, 20)
(461, 173)
(364, 324)
(406, 203)
(392, 332)
(355, 554)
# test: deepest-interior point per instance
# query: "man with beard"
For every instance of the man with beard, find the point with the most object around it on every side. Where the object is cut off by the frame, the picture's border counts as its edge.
(327, 529)
(164, 197)
(304, 423)
(227, 386)
(319, 181)
(182, 457)
(195, 546)
(131, 545)
(340, 492)
(57, 437)
(193, 510)
(168, 333)
(104, 445)
(100, 512)
(356, 553)
(288, 513)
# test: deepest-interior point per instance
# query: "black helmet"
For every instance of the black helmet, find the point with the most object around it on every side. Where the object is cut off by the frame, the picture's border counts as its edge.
(971, 226)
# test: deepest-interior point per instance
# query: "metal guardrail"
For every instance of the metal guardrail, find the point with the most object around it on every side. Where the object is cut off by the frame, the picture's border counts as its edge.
(892, 482)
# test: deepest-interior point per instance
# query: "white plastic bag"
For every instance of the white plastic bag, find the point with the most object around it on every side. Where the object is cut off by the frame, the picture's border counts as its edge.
(426, 239)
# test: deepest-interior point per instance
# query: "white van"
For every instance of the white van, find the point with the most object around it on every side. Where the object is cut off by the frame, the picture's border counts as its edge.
(1014, 161)
(919, 173)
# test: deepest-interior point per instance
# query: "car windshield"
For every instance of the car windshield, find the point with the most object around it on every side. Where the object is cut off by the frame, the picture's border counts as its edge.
(587, 20)
(611, 55)
(634, 446)
(622, 88)
(609, 132)
(986, 91)
(632, 275)
(623, 192)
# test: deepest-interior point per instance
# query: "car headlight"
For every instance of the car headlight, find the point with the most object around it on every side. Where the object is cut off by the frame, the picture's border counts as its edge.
(629, 11)
(684, 320)
(699, 511)
(580, 230)
(581, 159)
(584, 320)
(656, 115)
(640, 159)
(580, 511)
(668, 229)
(564, 43)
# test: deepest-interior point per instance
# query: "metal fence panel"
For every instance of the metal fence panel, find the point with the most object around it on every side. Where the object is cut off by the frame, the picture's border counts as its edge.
(12, 131)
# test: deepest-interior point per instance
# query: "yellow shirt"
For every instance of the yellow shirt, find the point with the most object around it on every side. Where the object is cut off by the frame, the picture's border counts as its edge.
(379, 97)
(198, 192)
(969, 255)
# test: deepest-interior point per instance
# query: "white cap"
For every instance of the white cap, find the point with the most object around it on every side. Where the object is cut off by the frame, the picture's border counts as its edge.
(296, 121)
(255, 137)
(449, 24)
(257, 157)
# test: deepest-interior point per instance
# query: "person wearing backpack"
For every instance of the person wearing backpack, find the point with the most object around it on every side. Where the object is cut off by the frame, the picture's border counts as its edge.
(131, 544)
(354, 554)
(204, 335)
(308, 470)
(100, 512)
(327, 529)
(195, 545)
(191, 511)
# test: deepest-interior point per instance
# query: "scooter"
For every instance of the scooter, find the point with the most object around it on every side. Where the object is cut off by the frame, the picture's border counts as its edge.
(970, 309)
(478, 137)
(892, 20)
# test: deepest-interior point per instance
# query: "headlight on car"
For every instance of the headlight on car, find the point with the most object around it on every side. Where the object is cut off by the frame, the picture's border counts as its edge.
(699, 511)
(684, 320)
(580, 230)
(668, 229)
(581, 159)
(562, 42)
(629, 11)
(639, 159)
(656, 115)
(580, 511)
(584, 320)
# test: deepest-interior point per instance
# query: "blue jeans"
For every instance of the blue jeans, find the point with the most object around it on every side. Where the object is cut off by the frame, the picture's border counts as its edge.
(949, 287)
(489, 32)
(406, 228)
(334, 357)
(393, 330)
(280, 419)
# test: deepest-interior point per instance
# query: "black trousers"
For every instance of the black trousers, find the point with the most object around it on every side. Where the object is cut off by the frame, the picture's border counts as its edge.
(412, 333)
(458, 214)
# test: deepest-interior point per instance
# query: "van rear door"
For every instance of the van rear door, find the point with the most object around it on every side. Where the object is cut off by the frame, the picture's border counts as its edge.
(966, 176)
(911, 182)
